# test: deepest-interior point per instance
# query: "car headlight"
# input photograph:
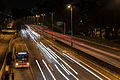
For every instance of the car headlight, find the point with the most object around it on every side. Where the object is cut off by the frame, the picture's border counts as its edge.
(16, 64)
(27, 63)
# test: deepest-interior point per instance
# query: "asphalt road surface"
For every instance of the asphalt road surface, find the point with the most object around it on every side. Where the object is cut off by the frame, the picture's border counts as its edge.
(52, 61)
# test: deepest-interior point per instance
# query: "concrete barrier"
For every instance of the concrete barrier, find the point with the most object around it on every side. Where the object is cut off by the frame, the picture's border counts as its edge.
(2, 71)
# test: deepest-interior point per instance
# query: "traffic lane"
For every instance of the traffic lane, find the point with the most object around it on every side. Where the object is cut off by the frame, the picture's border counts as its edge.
(37, 55)
(22, 74)
(56, 72)
(80, 70)
(98, 69)
(38, 69)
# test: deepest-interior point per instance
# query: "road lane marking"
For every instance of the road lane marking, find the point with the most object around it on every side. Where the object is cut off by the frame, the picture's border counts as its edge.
(61, 72)
(48, 69)
(41, 54)
(41, 70)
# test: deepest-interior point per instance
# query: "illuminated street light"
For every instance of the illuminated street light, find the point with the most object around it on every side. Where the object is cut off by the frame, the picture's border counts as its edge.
(37, 16)
(52, 14)
(69, 6)
(43, 15)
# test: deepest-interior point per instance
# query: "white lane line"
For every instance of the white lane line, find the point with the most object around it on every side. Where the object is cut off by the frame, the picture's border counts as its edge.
(61, 72)
(87, 66)
(41, 70)
(48, 69)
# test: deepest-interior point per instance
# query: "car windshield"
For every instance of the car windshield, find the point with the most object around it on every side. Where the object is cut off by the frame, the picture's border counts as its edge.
(21, 58)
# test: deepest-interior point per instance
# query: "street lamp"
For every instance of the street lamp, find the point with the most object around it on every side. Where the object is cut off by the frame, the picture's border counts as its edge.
(52, 19)
(69, 6)
(43, 15)
(37, 16)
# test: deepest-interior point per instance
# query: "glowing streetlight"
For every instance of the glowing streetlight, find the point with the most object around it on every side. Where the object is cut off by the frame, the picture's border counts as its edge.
(37, 16)
(43, 15)
(69, 6)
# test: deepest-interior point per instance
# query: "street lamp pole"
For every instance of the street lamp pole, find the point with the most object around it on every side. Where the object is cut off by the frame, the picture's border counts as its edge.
(37, 16)
(71, 22)
(70, 7)
(52, 20)
(43, 15)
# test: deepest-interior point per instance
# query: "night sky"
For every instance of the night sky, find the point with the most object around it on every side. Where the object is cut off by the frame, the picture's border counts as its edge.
(98, 10)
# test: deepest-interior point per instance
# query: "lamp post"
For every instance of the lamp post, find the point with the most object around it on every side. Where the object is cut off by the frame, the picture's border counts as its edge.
(51, 20)
(70, 7)
(37, 16)
(43, 15)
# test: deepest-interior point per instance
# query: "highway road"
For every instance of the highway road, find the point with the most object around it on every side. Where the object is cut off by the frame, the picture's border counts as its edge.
(105, 53)
(55, 61)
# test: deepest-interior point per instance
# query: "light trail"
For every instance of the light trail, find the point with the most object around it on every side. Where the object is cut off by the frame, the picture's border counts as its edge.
(67, 64)
(61, 65)
(87, 66)
(40, 70)
(81, 65)
(48, 69)
(63, 61)
(44, 50)
(61, 72)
